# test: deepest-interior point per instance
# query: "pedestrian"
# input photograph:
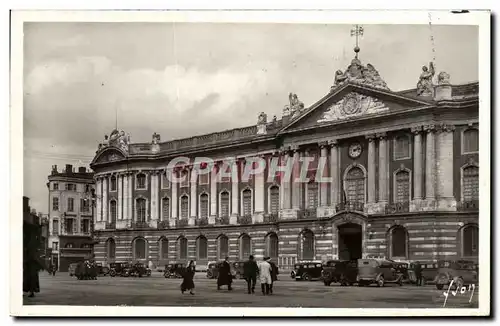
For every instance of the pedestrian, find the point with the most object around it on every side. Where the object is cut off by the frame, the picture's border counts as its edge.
(274, 275)
(418, 273)
(187, 278)
(31, 260)
(250, 271)
(225, 277)
(53, 271)
(265, 276)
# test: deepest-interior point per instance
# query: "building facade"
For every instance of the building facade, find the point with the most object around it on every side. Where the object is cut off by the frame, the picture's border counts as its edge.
(70, 215)
(402, 181)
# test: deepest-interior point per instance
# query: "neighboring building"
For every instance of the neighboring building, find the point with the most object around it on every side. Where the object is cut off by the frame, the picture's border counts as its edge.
(70, 215)
(404, 184)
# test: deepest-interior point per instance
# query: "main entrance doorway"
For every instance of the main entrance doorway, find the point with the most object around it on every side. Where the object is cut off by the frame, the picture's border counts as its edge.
(350, 241)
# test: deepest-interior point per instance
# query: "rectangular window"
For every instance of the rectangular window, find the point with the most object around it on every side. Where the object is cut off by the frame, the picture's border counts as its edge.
(312, 195)
(471, 141)
(204, 206)
(165, 182)
(71, 205)
(71, 187)
(55, 245)
(247, 203)
(85, 226)
(471, 183)
(55, 203)
(113, 184)
(402, 187)
(224, 204)
(55, 227)
(166, 208)
(141, 181)
(55, 186)
(204, 179)
(185, 179)
(184, 207)
(402, 148)
(84, 205)
(274, 199)
(69, 226)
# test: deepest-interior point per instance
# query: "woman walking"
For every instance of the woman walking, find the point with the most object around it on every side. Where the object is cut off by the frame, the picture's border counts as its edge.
(187, 278)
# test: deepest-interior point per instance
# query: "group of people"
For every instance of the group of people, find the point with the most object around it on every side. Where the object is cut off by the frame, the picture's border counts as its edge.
(267, 271)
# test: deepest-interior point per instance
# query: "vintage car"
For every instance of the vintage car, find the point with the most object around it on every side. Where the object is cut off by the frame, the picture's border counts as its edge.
(212, 270)
(127, 270)
(86, 271)
(139, 270)
(174, 270)
(461, 272)
(102, 270)
(340, 271)
(237, 269)
(378, 271)
(404, 268)
(115, 269)
(307, 271)
(71, 269)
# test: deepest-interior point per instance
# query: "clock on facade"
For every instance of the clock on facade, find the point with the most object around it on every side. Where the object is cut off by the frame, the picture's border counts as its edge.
(355, 150)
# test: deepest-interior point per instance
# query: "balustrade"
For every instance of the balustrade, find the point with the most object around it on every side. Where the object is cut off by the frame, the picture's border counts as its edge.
(271, 218)
(140, 225)
(223, 220)
(201, 221)
(182, 222)
(467, 206)
(401, 207)
(245, 219)
(163, 225)
(308, 213)
(350, 206)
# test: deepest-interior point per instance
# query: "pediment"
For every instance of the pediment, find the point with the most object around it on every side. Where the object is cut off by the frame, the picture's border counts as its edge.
(109, 155)
(351, 102)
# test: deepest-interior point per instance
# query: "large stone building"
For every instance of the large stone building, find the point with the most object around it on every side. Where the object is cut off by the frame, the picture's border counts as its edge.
(403, 169)
(70, 215)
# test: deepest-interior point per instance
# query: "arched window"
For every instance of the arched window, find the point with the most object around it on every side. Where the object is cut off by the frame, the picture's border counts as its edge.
(112, 210)
(355, 185)
(402, 147)
(312, 194)
(272, 245)
(140, 248)
(471, 141)
(247, 202)
(399, 238)
(222, 247)
(470, 241)
(183, 247)
(141, 209)
(163, 248)
(202, 247)
(165, 207)
(204, 206)
(402, 180)
(274, 199)
(470, 183)
(141, 181)
(224, 204)
(113, 183)
(306, 245)
(245, 246)
(184, 207)
(110, 249)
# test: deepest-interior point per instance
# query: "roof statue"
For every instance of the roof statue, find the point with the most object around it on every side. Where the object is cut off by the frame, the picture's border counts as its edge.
(425, 86)
(262, 119)
(295, 107)
(156, 138)
(443, 78)
(116, 139)
(356, 72)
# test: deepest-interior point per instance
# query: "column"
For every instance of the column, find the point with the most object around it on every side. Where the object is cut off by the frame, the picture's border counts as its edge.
(119, 189)
(285, 201)
(235, 192)
(334, 173)
(98, 193)
(174, 200)
(131, 205)
(213, 195)
(383, 162)
(259, 193)
(371, 168)
(154, 198)
(417, 159)
(126, 213)
(105, 212)
(323, 192)
(430, 161)
(296, 185)
(194, 196)
(444, 164)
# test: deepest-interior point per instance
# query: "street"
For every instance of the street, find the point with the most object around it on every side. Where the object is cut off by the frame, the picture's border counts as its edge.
(158, 291)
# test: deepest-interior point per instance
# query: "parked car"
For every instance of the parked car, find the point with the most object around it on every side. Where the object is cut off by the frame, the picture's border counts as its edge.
(403, 267)
(86, 271)
(140, 270)
(237, 269)
(71, 269)
(115, 269)
(212, 270)
(462, 272)
(307, 271)
(378, 271)
(340, 271)
(102, 270)
(174, 270)
(429, 271)
(127, 270)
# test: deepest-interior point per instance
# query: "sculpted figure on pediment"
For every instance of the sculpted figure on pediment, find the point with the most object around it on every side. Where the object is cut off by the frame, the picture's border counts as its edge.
(340, 77)
(424, 85)
(156, 138)
(262, 118)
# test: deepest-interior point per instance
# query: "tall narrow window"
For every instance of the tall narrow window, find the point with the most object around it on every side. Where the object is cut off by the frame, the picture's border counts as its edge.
(112, 210)
(204, 206)
(110, 249)
(141, 209)
(272, 245)
(398, 242)
(224, 204)
(165, 183)
(165, 202)
(470, 183)
(306, 245)
(185, 178)
(71, 205)
(204, 178)
(247, 202)
(223, 247)
(312, 194)
(55, 203)
(274, 199)
(164, 248)
(184, 207)
(471, 141)
(183, 248)
(141, 181)
(113, 183)
(402, 187)
(245, 246)
(139, 248)
(202, 247)
(355, 185)
(402, 147)
(55, 186)
(55, 227)
(470, 242)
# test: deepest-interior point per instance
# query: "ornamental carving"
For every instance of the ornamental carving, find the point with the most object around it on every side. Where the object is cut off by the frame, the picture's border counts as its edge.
(295, 107)
(262, 119)
(357, 73)
(443, 78)
(425, 86)
(116, 139)
(353, 105)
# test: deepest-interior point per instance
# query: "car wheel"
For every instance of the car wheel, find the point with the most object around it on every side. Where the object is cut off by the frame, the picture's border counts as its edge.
(380, 282)
(306, 277)
(326, 283)
(166, 274)
(112, 273)
(400, 282)
(439, 286)
(361, 284)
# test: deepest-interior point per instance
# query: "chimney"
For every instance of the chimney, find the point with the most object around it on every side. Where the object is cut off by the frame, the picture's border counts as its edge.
(69, 168)
(82, 169)
(54, 169)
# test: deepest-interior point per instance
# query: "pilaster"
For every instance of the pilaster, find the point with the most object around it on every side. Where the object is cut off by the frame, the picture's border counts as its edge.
(416, 202)
(105, 212)
(429, 204)
(371, 168)
(98, 191)
(444, 169)
(235, 193)
(259, 192)
(323, 186)
(213, 196)
(285, 193)
(175, 198)
(383, 168)
(334, 173)
(193, 212)
(296, 182)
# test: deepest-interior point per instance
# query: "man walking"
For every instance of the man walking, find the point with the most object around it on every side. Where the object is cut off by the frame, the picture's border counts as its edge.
(274, 275)
(418, 273)
(225, 277)
(250, 271)
(265, 276)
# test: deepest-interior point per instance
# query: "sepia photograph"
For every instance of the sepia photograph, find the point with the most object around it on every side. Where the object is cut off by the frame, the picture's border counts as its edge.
(220, 163)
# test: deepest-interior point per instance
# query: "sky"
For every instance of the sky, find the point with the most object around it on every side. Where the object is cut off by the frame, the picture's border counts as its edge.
(181, 80)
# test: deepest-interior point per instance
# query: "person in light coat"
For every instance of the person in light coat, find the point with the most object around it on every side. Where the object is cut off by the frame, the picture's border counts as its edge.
(265, 276)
